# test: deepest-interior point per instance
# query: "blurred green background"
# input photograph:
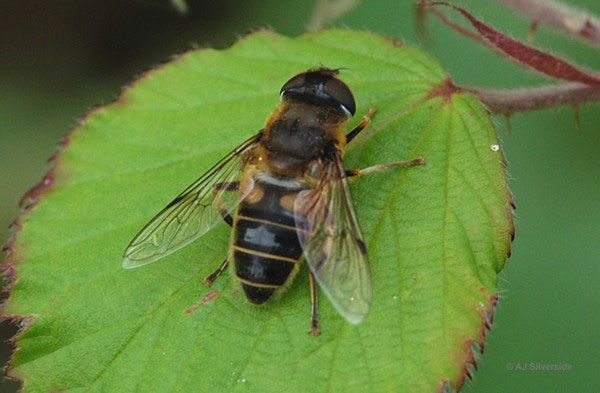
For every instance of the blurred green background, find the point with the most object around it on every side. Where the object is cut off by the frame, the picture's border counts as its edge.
(58, 59)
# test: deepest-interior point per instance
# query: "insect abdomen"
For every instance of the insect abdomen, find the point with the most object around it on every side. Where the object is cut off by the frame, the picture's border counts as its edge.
(265, 244)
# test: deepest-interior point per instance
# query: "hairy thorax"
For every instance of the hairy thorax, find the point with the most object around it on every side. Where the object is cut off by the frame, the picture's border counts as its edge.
(299, 134)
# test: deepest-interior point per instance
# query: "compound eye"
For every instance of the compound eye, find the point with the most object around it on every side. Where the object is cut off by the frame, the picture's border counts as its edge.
(321, 87)
(297, 82)
(341, 93)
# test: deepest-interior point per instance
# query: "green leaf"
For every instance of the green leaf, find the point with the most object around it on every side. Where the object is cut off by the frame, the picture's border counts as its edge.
(437, 234)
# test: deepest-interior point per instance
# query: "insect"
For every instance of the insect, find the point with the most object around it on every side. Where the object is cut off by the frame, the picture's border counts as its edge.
(284, 192)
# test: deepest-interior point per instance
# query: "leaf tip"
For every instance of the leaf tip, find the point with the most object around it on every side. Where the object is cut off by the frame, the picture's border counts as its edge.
(474, 347)
(34, 193)
(512, 230)
(7, 277)
(8, 273)
(470, 364)
(18, 323)
(446, 387)
(8, 266)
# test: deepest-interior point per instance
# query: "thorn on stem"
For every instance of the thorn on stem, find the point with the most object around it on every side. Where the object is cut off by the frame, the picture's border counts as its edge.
(421, 21)
(533, 28)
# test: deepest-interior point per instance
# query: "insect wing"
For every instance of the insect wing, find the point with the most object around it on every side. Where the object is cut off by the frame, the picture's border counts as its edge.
(333, 246)
(193, 212)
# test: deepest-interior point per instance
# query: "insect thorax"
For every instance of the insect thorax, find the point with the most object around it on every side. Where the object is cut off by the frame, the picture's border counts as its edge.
(299, 132)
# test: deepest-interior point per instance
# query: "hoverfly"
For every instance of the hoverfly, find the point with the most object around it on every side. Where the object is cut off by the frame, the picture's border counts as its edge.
(284, 192)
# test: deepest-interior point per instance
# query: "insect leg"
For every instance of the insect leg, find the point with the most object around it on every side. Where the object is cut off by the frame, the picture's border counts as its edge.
(226, 186)
(208, 280)
(383, 167)
(364, 123)
(314, 323)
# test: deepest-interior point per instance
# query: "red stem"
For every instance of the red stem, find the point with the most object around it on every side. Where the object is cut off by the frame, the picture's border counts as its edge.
(509, 101)
(547, 12)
